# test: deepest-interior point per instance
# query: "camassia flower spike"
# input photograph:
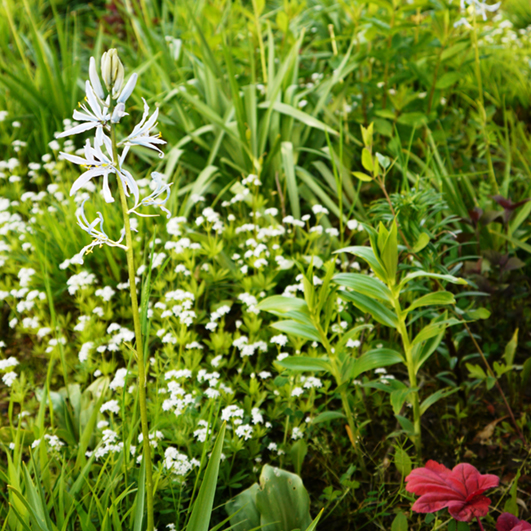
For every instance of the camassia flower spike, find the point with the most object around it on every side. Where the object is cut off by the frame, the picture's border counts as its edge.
(101, 159)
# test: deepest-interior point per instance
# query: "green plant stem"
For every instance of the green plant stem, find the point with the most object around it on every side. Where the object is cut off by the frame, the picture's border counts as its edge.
(353, 435)
(402, 330)
(139, 348)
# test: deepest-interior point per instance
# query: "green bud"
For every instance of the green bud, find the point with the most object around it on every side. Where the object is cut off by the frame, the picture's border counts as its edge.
(112, 71)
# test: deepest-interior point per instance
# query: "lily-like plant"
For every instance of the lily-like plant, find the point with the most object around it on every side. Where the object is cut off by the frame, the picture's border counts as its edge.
(103, 111)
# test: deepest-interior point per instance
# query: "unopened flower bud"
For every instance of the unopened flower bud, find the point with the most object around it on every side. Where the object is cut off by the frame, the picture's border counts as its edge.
(112, 71)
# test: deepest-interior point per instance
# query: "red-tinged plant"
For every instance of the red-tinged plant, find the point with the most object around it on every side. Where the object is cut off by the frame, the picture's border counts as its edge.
(509, 522)
(460, 490)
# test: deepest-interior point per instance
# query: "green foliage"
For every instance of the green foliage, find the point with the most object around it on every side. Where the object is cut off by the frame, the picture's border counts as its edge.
(279, 502)
(367, 169)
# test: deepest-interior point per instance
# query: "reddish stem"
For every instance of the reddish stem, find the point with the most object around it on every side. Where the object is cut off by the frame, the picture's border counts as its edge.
(480, 524)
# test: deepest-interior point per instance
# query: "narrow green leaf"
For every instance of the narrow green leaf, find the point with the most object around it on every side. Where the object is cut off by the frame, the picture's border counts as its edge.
(313, 525)
(288, 165)
(436, 298)
(305, 363)
(327, 416)
(281, 304)
(377, 310)
(421, 274)
(367, 254)
(364, 284)
(435, 397)
(298, 330)
(510, 349)
(140, 498)
(374, 359)
(305, 118)
(202, 511)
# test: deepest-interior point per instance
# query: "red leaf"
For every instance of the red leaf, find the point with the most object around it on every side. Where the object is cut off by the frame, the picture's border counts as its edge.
(509, 522)
(460, 490)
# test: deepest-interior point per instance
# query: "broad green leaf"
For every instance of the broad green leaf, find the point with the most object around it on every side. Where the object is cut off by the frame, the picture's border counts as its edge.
(305, 363)
(399, 522)
(435, 397)
(366, 134)
(298, 452)
(383, 160)
(242, 510)
(421, 352)
(406, 425)
(366, 160)
(282, 501)
(374, 359)
(281, 304)
(287, 307)
(510, 349)
(377, 310)
(420, 274)
(362, 176)
(454, 50)
(402, 462)
(436, 298)
(423, 240)
(412, 118)
(398, 397)
(477, 313)
(432, 330)
(298, 329)
(367, 254)
(364, 284)
(389, 250)
(327, 416)
(202, 510)
(475, 371)
(448, 80)
(511, 505)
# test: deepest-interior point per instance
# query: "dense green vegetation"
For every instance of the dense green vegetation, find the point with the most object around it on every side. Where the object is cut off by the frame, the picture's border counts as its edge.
(338, 291)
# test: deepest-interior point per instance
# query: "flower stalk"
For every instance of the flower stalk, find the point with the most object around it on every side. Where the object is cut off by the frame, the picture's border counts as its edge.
(142, 398)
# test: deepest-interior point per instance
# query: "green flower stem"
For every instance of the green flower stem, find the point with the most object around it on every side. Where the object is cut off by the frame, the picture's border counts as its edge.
(139, 348)
(402, 330)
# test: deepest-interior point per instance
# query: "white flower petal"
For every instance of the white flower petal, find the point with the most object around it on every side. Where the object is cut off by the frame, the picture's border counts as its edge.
(128, 89)
(95, 79)
(81, 128)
